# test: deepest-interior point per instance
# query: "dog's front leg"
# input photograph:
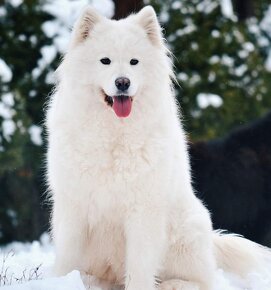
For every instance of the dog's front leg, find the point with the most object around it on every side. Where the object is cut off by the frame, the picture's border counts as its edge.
(145, 247)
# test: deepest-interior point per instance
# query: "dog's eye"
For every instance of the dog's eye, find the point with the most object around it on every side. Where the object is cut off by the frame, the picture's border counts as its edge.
(133, 61)
(105, 60)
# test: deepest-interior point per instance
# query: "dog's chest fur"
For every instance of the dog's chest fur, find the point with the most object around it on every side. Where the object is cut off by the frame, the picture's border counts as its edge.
(106, 250)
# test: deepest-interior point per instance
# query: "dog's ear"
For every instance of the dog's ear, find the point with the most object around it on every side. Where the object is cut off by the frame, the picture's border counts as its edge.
(83, 26)
(147, 19)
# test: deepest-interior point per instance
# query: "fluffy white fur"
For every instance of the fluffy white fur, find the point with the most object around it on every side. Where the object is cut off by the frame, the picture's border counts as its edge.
(124, 209)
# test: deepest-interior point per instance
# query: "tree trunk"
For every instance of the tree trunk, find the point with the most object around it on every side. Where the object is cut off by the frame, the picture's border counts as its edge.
(125, 7)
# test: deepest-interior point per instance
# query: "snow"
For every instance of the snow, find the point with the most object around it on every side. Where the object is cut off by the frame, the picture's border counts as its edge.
(227, 9)
(15, 3)
(266, 22)
(8, 99)
(243, 53)
(5, 71)
(194, 78)
(164, 16)
(205, 100)
(227, 60)
(6, 113)
(266, 26)
(60, 27)
(249, 46)
(268, 62)
(48, 53)
(106, 7)
(176, 5)
(214, 59)
(182, 76)
(240, 70)
(35, 134)
(215, 33)
(224, 59)
(186, 30)
(19, 261)
(3, 12)
(71, 281)
(9, 128)
(206, 6)
(211, 76)
(27, 266)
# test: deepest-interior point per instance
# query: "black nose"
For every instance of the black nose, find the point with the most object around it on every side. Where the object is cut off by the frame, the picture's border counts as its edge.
(122, 84)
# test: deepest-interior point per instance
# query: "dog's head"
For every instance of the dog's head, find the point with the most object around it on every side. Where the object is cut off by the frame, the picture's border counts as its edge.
(120, 60)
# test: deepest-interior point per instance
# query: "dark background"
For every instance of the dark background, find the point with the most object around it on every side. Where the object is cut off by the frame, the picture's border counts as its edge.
(223, 88)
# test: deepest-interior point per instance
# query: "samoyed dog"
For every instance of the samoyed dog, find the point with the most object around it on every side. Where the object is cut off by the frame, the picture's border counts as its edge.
(124, 209)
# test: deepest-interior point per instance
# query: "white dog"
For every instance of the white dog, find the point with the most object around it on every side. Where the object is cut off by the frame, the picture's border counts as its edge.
(124, 209)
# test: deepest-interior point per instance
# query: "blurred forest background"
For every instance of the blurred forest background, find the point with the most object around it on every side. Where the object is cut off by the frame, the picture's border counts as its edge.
(222, 61)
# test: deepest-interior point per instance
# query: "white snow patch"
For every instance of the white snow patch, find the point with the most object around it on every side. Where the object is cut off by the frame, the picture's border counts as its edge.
(32, 93)
(8, 99)
(227, 60)
(50, 77)
(182, 76)
(164, 16)
(194, 46)
(243, 53)
(6, 112)
(205, 100)
(214, 59)
(35, 134)
(48, 53)
(215, 33)
(206, 6)
(3, 12)
(266, 26)
(249, 46)
(71, 281)
(226, 8)
(22, 37)
(5, 71)
(268, 62)
(22, 259)
(266, 22)
(61, 27)
(105, 7)
(15, 3)
(240, 70)
(34, 260)
(195, 78)
(9, 128)
(176, 5)
(211, 76)
(186, 30)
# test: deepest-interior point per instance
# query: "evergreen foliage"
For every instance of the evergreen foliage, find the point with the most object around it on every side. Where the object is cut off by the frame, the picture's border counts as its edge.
(216, 55)
(23, 95)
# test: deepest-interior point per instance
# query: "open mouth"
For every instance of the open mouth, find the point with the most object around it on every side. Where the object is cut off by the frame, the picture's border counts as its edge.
(121, 104)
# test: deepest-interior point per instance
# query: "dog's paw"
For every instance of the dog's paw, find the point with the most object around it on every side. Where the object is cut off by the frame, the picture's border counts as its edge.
(176, 284)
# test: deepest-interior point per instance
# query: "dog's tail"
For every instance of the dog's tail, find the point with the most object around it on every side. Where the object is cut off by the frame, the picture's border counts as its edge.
(239, 255)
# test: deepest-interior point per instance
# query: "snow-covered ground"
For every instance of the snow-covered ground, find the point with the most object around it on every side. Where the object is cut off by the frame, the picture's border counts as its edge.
(28, 267)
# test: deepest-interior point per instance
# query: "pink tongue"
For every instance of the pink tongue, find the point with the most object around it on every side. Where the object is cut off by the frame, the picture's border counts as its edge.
(122, 108)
